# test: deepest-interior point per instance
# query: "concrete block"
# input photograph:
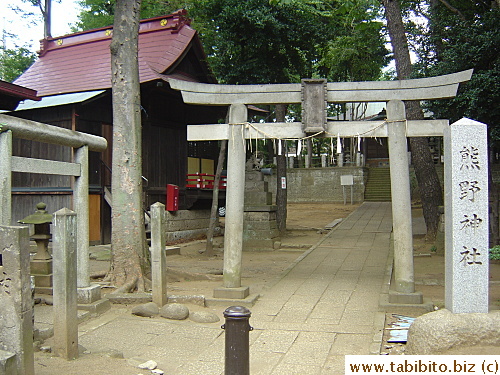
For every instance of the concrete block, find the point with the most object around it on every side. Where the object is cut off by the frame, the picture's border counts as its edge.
(96, 307)
(43, 280)
(253, 176)
(406, 298)
(187, 215)
(41, 267)
(260, 216)
(172, 250)
(129, 298)
(7, 363)
(260, 244)
(232, 293)
(260, 225)
(44, 290)
(256, 198)
(88, 294)
(248, 301)
(260, 208)
(174, 225)
(256, 186)
(187, 234)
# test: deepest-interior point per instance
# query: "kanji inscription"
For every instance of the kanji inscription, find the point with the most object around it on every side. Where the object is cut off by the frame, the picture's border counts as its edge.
(466, 217)
(470, 158)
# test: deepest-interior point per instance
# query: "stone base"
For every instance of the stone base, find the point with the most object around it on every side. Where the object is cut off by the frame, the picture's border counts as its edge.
(43, 290)
(96, 307)
(386, 305)
(415, 298)
(41, 266)
(172, 250)
(232, 293)
(227, 302)
(129, 298)
(88, 294)
(44, 281)
(7, 363)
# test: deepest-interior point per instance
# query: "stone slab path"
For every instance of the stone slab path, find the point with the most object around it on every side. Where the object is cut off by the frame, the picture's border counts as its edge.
(324, 307)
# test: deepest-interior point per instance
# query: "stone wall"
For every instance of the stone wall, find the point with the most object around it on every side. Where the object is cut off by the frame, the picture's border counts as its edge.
(187, 224)
(322, 184)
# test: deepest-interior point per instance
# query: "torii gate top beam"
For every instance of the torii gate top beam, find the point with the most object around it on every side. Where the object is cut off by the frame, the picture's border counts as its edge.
(342, 92)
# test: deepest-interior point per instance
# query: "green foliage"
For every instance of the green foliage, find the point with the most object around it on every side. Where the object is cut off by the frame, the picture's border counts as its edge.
(13, 62)
(358, 55)
(256, 42)
(494, 253)
(466, 38)
(100, 13)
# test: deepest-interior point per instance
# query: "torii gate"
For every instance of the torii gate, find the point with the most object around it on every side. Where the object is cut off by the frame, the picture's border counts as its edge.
(314, 96)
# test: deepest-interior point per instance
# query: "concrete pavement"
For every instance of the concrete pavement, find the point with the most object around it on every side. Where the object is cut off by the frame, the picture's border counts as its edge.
(324, 307)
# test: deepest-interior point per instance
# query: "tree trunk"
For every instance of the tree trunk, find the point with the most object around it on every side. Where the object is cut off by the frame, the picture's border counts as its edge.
(209, 251)
(281, 194)
(428, 182)
(129, 256)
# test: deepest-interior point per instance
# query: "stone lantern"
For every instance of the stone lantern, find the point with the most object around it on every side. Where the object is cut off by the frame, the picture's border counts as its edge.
(41, 264)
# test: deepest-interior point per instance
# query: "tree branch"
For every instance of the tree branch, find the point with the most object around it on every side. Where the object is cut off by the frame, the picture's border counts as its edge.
(453, 9)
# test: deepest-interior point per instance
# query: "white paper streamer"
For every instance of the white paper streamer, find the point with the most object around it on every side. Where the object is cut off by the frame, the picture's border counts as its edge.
(339, 145)
(299, 147)
(359, 143)
(279, 147)
(332, 149)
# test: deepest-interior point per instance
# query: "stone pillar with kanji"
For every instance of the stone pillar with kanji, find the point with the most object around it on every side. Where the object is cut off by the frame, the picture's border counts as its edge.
(466, 217)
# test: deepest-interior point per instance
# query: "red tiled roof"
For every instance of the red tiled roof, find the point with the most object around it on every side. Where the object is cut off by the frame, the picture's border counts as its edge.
(81, 62)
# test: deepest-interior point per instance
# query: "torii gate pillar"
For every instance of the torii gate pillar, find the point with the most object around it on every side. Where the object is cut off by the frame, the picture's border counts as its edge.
(401, 206)
(235, 195)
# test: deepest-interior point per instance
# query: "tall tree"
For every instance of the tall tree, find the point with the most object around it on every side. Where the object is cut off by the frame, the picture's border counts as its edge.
(428, 181)
(257, 42)
(129, 260)
(44, 7)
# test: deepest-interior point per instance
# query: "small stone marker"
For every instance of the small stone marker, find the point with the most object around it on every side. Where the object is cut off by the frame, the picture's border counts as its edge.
(16, 309)
(158, 255)
(65, 277)
(466, 217)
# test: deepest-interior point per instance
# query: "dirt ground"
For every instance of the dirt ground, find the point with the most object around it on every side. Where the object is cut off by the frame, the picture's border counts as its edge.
(195, 274)
(305, 227)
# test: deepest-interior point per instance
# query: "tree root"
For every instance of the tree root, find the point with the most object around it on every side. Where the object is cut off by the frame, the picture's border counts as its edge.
(99, 275)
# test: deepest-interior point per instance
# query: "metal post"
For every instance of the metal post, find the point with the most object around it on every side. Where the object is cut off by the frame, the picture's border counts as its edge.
(237, 327)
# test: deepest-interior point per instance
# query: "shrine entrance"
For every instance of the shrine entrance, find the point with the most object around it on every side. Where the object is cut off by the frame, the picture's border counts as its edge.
(314, 96)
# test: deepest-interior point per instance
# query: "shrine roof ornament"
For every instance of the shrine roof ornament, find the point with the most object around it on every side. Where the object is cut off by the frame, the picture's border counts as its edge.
(439, 87)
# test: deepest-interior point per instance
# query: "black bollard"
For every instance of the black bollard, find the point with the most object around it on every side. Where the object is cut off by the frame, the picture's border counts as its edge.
(237, 328)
